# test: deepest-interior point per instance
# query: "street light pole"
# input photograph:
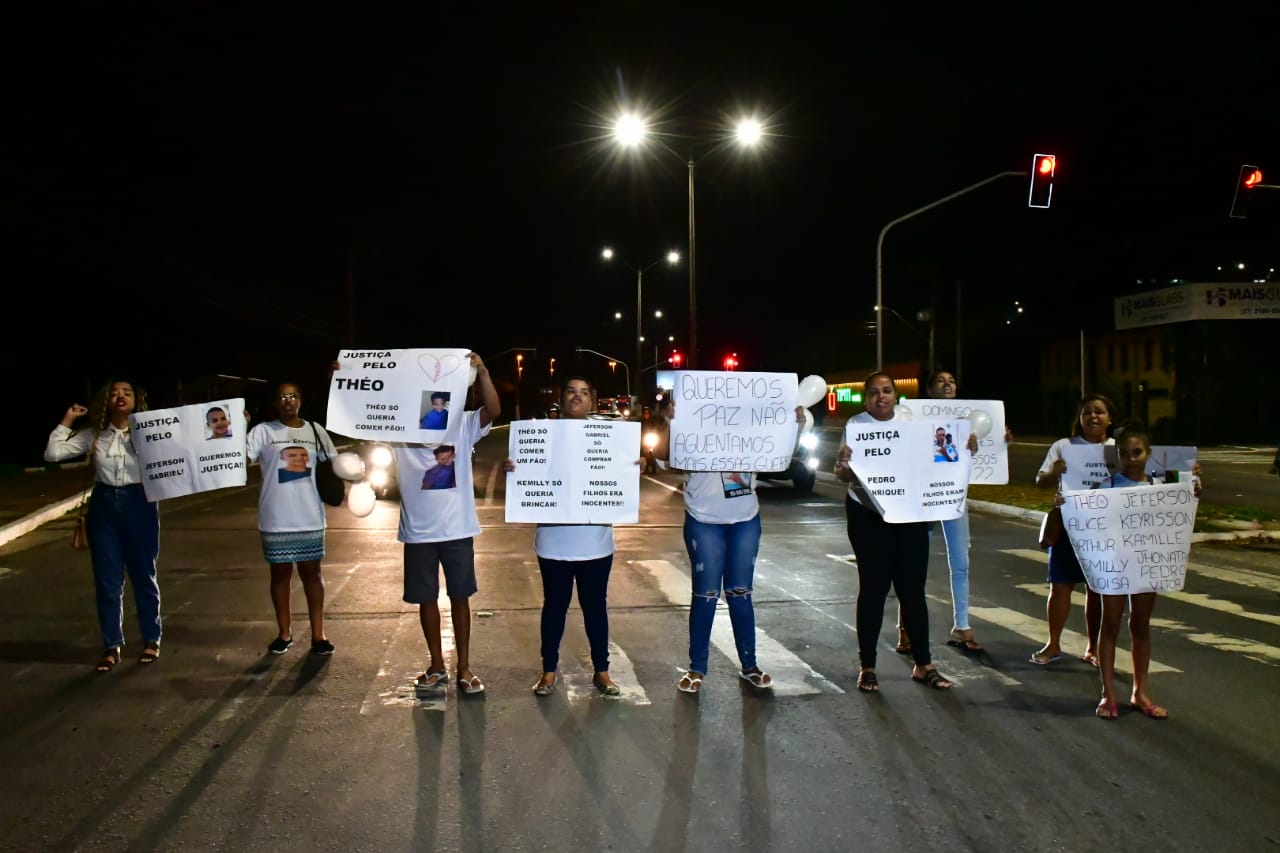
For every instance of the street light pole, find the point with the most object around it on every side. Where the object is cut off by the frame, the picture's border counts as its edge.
(693, 279)
(639, 331)
(880, 253)
(626, 371)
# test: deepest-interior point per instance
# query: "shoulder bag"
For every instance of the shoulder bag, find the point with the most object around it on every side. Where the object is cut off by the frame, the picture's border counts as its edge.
(1051, 528)
(330, 486)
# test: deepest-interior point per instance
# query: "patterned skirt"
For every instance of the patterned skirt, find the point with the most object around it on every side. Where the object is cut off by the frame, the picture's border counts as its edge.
(295, 546)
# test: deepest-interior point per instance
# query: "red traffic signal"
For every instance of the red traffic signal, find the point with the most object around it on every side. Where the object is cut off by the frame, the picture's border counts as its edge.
(1043, 167)
(731, 362)
(675, 359)
(1250, 178)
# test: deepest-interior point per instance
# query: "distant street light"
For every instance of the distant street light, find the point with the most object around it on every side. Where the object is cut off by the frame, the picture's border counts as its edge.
(631, 131)
(612, 361)
(673, 257)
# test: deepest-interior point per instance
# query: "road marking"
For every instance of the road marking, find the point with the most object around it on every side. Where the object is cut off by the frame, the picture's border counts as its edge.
(579, 685)
(1033, 628)
(791, 675)
(1245, 647)
(392, 686)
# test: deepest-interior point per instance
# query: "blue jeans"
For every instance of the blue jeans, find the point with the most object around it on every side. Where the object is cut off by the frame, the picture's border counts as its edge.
(558, 578)
(955, 532)
(124, 538)
(722, 556)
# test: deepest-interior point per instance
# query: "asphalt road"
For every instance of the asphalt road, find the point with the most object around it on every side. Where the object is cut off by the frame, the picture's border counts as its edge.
(221, 747)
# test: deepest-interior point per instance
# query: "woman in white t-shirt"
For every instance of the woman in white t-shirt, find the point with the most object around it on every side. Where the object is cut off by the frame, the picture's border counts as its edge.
(572, 555)
(290, 514)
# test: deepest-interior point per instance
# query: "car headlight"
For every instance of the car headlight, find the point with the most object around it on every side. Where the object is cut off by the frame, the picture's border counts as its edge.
(812, 463)
(380, 456)
(651, 440)
(379, 478)
(808, 441)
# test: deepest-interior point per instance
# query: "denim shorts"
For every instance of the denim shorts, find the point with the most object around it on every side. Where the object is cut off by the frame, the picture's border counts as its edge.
(1063, 565)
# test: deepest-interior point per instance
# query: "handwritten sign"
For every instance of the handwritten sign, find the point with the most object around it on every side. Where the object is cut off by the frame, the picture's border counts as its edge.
(991, 462)
(404, 395)
(1170, 458)
(190, 449)
(574, 472)
(913, 470)
(1132, 539)
(734, 420)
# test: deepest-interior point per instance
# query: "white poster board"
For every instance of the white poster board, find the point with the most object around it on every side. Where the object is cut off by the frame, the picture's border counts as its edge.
(733, 420)
(191, 449)
(913, 470)
(1091, 465)
(574, 472)
(1132, 539)
(405, 395)
(991, 462)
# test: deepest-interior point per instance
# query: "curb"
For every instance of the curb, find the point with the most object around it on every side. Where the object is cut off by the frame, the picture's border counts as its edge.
(28, 523)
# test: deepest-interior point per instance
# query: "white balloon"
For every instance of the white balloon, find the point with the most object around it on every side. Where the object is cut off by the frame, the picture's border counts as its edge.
(473, 374)
(348, 465)
(901, 412)
(812, 389)
(361, 499)
(808, 420)
(981, 423)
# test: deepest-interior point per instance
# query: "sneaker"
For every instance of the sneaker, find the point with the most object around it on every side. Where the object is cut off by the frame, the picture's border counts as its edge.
(280, 645)
(321, 647)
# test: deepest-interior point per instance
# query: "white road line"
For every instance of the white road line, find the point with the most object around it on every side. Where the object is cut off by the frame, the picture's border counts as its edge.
(578, 685)
(1033, 628)
(791, 675)
(395, 686)
(1251, 649)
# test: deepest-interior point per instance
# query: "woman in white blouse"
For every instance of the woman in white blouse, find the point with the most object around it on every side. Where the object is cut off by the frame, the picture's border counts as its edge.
(123, 526)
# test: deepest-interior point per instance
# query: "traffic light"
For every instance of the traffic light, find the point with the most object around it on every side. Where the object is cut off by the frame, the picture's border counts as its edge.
(675, 360)
(731, 362)
(1042, 168)
(1249, 180)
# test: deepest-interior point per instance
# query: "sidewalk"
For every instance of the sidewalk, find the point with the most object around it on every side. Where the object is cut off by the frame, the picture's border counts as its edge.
(31, 499)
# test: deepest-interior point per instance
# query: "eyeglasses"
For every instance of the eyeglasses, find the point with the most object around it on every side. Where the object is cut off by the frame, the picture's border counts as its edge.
(284, 398)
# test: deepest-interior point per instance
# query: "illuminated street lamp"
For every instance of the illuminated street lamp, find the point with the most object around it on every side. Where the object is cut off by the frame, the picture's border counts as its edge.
(631, 130)
(672, 258)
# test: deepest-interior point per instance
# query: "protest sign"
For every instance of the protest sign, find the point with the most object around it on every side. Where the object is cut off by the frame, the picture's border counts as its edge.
(912, 470)
(733, 420)
(991, 462)
(1088, 465)
(1165, 458)
(190, 449)
(574, 472)
(404, 395)
(1132, 539)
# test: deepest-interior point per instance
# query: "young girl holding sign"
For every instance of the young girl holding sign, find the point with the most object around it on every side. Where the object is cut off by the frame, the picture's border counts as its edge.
(1134, 449)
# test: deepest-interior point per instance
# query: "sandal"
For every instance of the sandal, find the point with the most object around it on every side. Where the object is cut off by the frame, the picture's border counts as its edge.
(470, 685)
(963, 640)
(932, 678)
(608, 688)
(867, 681)
(1153, 710)
(904, 643)
(150, 653)
(433, 679)
(545, 687)
(690, 682)
(1106, 710)
(757, 678)
(1090, 658)
(110, 658)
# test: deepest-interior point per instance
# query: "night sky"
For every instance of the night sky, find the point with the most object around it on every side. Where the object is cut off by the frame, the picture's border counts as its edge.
(193, 189)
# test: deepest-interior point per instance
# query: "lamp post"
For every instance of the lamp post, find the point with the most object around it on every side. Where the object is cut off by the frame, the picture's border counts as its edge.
(673, 258)
(880, 252)
(630, 130)
(626, 370)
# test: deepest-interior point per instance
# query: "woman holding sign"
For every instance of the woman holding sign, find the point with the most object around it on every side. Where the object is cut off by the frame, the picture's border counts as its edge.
(569, 555)
(888, 555)
(291, 517)
(124, 528)
(1094, 416)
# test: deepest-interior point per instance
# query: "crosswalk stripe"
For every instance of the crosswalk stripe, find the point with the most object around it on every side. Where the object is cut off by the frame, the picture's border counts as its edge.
(578, 685)
(1033, 628)
(1251, 649)
(791, 675)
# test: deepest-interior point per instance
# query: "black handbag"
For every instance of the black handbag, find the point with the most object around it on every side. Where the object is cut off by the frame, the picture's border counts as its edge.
(1051, 528)
(332, 489)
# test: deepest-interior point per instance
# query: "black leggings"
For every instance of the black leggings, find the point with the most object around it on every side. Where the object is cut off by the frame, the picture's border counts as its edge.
(889, 554)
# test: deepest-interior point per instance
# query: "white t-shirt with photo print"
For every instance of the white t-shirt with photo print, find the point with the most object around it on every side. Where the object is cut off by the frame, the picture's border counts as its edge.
(288, 501)
(434, 506)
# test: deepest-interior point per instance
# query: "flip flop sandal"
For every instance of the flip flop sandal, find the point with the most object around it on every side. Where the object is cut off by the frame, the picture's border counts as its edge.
(110, 658)
(758, 678)
(933, 679)
(967, 645)
(689, 683)
(150, 653)
(1153, 710)
(431, 680)
(470, 685)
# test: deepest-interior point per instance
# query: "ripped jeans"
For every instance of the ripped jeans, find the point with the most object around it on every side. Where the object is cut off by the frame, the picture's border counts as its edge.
(722, 556)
